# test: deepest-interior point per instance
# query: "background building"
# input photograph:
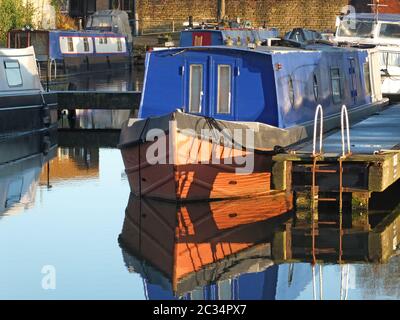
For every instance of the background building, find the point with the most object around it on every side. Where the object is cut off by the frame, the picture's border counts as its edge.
(168, 15)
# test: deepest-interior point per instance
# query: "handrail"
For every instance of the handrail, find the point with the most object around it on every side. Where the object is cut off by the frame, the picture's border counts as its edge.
(318, 112)
(51, 69)
(345, 120)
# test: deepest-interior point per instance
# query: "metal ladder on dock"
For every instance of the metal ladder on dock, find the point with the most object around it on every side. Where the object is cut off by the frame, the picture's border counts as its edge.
(316, 168)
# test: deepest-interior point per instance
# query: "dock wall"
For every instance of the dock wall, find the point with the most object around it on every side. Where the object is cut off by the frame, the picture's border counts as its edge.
(284, 14)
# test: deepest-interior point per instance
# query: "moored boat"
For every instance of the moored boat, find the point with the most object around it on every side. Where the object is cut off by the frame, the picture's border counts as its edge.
(26, 111)
(212, 116)
(105, 43)
(382, 31)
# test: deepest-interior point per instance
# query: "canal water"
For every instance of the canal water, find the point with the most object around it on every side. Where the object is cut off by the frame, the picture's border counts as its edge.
(68, 231)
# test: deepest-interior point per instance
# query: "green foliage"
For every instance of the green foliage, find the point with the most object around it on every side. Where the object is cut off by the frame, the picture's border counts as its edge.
(56, 4)
(14, 14)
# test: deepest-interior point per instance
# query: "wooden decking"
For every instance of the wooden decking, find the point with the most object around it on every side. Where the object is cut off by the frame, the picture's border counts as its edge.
(373, 166)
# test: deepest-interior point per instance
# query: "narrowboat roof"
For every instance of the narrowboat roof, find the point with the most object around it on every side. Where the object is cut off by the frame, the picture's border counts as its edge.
(84, 32)
(259, 34)
(266, 49)
(386, 17)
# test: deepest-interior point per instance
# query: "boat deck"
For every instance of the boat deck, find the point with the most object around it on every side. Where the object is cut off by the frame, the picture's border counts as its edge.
(373, 165)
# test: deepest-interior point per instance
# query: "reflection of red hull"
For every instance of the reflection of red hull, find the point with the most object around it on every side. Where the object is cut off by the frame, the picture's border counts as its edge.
(188, 178)
(181, 240)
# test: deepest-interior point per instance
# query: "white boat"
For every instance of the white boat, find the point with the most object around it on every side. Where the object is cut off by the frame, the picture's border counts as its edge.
(382, 31)
(26, 111)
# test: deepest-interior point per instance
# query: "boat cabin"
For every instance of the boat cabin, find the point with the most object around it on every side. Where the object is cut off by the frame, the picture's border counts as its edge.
(368, 28)
(278, 86)
(383, 31)
(115, 21)
(18, 73)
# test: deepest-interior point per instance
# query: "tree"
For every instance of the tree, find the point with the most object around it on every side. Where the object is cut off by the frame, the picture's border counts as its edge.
(14, 14)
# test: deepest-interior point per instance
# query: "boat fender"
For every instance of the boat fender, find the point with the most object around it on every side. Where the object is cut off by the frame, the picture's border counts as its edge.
(279, 150)
(46, 144)
(46, 115)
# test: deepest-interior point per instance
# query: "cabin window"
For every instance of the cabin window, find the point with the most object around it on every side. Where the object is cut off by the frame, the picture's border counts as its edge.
(224, 89)
(390, 59)
(119, 44)
(367, 78)
(105, 40)
(13, 73)
(70, 44)
(101, 41)
(390, 30)
(315, 87)
(86, 45)
(196, 88)
(291, 91)
(336, 85)
(350, 27)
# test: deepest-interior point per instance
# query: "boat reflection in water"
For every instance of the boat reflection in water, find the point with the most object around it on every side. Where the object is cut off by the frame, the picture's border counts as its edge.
(259, 249)
(192, 245)
(20, 176)
(74, 164)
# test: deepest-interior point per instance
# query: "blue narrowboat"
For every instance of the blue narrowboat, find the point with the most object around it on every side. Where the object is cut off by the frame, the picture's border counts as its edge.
(272, 91)
(105, 43)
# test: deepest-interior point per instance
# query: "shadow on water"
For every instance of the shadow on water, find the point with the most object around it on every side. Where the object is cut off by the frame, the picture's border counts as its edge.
(241, 250)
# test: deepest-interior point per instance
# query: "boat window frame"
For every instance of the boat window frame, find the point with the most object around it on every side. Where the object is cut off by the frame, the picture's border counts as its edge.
(21, 80)
(70, 44)
(315, 87)
(201, 92)
(367, 78)
(86, 46)
(119, 44)
(291, 91)
(229, 111)
(381, 30)
(339, 79)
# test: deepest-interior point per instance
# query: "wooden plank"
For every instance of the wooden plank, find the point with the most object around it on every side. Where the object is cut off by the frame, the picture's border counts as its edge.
(383, 174)
(281, 175)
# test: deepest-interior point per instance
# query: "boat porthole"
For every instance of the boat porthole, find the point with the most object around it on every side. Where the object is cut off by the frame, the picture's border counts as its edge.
(233, 215)
(233, 183)
(315, 87)
(291, 91)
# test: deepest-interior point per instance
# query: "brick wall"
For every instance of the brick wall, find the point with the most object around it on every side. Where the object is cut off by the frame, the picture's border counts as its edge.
(155, 14)
(284, 14)
(287, 14)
